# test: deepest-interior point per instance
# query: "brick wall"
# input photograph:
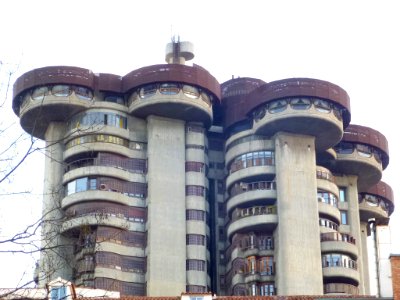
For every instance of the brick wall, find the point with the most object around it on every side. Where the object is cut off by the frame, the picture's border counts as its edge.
(395, 262)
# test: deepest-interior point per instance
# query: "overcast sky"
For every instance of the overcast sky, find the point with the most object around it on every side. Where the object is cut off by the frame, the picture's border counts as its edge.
(354, 44)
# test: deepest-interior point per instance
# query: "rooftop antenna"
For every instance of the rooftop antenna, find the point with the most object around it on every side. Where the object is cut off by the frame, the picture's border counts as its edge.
(178, 52)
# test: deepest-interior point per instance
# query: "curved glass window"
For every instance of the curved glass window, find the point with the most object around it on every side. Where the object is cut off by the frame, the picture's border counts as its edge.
(105, 138)
(39, 93)
(364, 150)
(344, 148)
(327, 197)
(169, 88)
(191, 91)
(372, 200)
(148, 91)
(300, 103)
(131, 189)
(322, 106)
(61, 90)
(277, 106)
(260, 158)
(98, 118)
(259, 114)
(338, 260)
(83, 93)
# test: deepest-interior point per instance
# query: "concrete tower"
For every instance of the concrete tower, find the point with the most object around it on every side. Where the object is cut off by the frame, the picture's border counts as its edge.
(155, 184)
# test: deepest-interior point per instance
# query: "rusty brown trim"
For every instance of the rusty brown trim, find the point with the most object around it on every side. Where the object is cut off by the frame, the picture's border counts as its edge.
(382, 190)
(51, 75)
(308, 87)
(368, 136)
(235, 96)
(195, 75)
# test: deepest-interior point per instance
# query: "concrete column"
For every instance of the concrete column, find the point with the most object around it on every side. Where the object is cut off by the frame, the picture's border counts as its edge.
(298, 251)
(354, 228)
(363, 259)
(55, 262)
(166, 235)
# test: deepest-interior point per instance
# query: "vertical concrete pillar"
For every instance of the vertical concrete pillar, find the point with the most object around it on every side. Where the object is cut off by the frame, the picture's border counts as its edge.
(353, 215)
(166, 236)
(56, 261)
(363, 258)
(298, 259)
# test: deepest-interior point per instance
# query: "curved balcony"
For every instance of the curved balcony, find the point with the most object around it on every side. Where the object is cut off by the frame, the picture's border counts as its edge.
(99, 195)
(242, 193)
(354, 162)
(103, 170)
(51, 94)
(303, 106)
(258, 218)
(341, 272)
(170, 100)
(376, 202)
(338, 242)
(301, 116)
(74, 225)
(117, 274)
(340, 288)
(248, 173)
(329, 210)
(364, 152)
(173, 91)
(339, 265)
(97, 143)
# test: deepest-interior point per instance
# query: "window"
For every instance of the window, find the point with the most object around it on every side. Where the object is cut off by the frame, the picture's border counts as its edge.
(343, 218)
(300, 103)
(277, 106)
(322, 106)
(194, 166)
(193, 214)
(169, 88)
(267, 289)
(148, 91)
(191, 91)
(342, 194)
(195, 239)
(58, 293)
(338, 260)
(194, 190)
(327, 197)
(195, 265)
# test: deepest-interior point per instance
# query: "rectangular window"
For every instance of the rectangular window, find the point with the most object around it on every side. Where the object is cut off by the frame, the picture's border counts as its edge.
(81, 184)
(194, 190)
(195, 265)
(58, 293)
(343, 218)
(342, 194)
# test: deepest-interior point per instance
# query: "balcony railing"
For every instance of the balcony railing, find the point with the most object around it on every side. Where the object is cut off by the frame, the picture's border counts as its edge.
(253, 211)
(340, 288)
(243, 187)
(337, 236)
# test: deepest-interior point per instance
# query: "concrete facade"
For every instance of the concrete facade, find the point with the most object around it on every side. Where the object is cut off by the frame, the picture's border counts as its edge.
(163, 181)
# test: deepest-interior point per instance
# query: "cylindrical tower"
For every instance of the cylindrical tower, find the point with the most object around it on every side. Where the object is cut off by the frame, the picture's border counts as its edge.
(275, 134)
(126, 167)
